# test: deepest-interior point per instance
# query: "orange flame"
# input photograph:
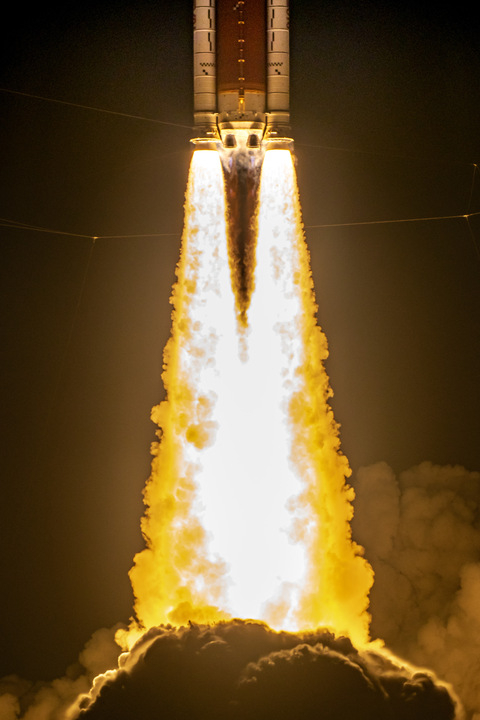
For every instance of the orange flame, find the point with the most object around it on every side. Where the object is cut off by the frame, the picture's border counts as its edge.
(247, 506)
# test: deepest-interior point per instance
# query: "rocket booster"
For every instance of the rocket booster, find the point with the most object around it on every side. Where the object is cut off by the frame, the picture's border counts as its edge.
(241, 73)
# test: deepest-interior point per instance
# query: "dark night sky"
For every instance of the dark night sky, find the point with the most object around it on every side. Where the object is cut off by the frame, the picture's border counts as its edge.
(385, 112)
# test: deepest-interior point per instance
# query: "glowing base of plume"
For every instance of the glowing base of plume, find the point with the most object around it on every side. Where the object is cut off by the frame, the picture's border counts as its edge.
(248, 510)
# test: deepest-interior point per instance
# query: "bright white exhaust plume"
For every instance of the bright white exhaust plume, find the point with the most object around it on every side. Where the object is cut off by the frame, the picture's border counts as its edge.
(247, 507)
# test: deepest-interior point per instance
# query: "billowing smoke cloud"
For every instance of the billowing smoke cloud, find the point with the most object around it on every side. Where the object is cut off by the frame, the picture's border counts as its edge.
(50, 701)
(241, 669)
(421, 533)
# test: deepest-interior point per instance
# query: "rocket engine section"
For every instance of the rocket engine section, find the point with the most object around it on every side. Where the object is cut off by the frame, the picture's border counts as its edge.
(241, 80)
(241, 108)
(241, 72)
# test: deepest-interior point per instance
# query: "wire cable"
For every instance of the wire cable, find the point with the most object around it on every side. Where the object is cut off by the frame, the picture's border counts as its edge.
(14, 225)
(393, 222)
(385, 155)
(96, 109)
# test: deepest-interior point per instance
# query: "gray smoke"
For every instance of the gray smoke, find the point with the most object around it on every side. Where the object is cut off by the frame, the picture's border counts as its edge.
(240, 669)
(50, 701)
(421, 533)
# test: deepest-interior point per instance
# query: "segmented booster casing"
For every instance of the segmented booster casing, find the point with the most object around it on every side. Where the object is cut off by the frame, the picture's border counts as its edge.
(278, 63)
(204, 64)
(241, 67)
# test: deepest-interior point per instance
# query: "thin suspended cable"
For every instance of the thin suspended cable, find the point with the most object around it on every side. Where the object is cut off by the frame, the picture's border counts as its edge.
(144, 235)
(189, 127)
(14, 225)
(391, 222)
(96, 109)
(386, 155)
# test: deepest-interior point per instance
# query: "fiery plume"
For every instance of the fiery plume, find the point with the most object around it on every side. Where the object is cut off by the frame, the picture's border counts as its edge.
(248, 508)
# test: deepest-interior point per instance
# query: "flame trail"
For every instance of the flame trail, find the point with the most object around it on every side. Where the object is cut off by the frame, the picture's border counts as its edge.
(247, 507)
(173, 571)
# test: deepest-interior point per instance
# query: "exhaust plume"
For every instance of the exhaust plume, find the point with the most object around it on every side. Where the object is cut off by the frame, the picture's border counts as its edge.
(248, 508)
(248, 516)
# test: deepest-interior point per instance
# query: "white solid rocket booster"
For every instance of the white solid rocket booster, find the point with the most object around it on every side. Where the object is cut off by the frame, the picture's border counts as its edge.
(204, 63)
(278, 62)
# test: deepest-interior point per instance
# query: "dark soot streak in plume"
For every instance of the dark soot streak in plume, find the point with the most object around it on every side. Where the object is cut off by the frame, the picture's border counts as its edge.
(242, 669)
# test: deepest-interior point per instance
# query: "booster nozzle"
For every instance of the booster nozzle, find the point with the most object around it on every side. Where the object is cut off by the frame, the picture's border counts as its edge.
(206, 136)
(277, 137)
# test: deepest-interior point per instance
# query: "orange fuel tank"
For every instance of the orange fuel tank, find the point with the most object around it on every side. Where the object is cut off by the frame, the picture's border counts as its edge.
(241, 60)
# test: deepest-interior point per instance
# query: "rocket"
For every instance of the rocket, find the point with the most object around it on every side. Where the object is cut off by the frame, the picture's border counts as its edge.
(241, 74)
